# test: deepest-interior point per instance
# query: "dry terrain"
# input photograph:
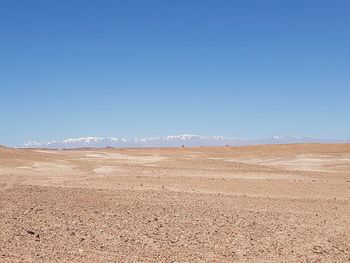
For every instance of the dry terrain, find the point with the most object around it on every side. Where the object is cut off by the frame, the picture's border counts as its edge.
(285, 203)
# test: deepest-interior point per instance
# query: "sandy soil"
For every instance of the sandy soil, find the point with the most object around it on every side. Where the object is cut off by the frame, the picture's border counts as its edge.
(285, 203)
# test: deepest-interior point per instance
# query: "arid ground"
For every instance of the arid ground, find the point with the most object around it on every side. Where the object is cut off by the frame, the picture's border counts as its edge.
(282, 203)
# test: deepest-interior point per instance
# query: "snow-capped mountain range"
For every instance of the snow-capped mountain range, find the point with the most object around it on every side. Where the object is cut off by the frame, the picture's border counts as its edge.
(173, 141)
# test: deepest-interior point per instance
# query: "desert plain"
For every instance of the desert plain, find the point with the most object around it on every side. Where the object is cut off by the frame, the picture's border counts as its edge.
(268, 203)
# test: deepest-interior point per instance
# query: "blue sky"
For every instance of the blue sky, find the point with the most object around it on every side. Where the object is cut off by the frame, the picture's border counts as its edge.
(151, 68)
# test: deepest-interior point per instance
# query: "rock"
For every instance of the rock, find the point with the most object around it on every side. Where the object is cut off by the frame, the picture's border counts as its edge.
(30, 232)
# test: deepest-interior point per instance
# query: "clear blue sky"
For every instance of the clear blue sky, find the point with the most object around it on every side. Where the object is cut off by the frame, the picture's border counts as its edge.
(151, 68)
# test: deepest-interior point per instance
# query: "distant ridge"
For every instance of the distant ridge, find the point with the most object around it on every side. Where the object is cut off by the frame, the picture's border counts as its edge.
(173, 141)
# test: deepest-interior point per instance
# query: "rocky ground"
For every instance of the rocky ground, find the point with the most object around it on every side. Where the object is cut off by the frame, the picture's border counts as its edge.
(286, 203)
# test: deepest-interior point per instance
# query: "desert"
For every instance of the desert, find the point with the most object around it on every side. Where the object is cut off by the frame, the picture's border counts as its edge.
(266, 203)
(174, 131)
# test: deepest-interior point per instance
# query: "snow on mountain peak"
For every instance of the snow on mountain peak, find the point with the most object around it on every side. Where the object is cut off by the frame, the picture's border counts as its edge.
(171, 141)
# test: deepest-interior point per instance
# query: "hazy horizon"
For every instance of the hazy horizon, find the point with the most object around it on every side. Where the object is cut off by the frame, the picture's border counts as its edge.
(192, 140)
(250, 140)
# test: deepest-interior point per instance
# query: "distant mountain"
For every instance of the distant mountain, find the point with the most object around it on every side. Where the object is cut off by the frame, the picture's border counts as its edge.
(172, 141)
